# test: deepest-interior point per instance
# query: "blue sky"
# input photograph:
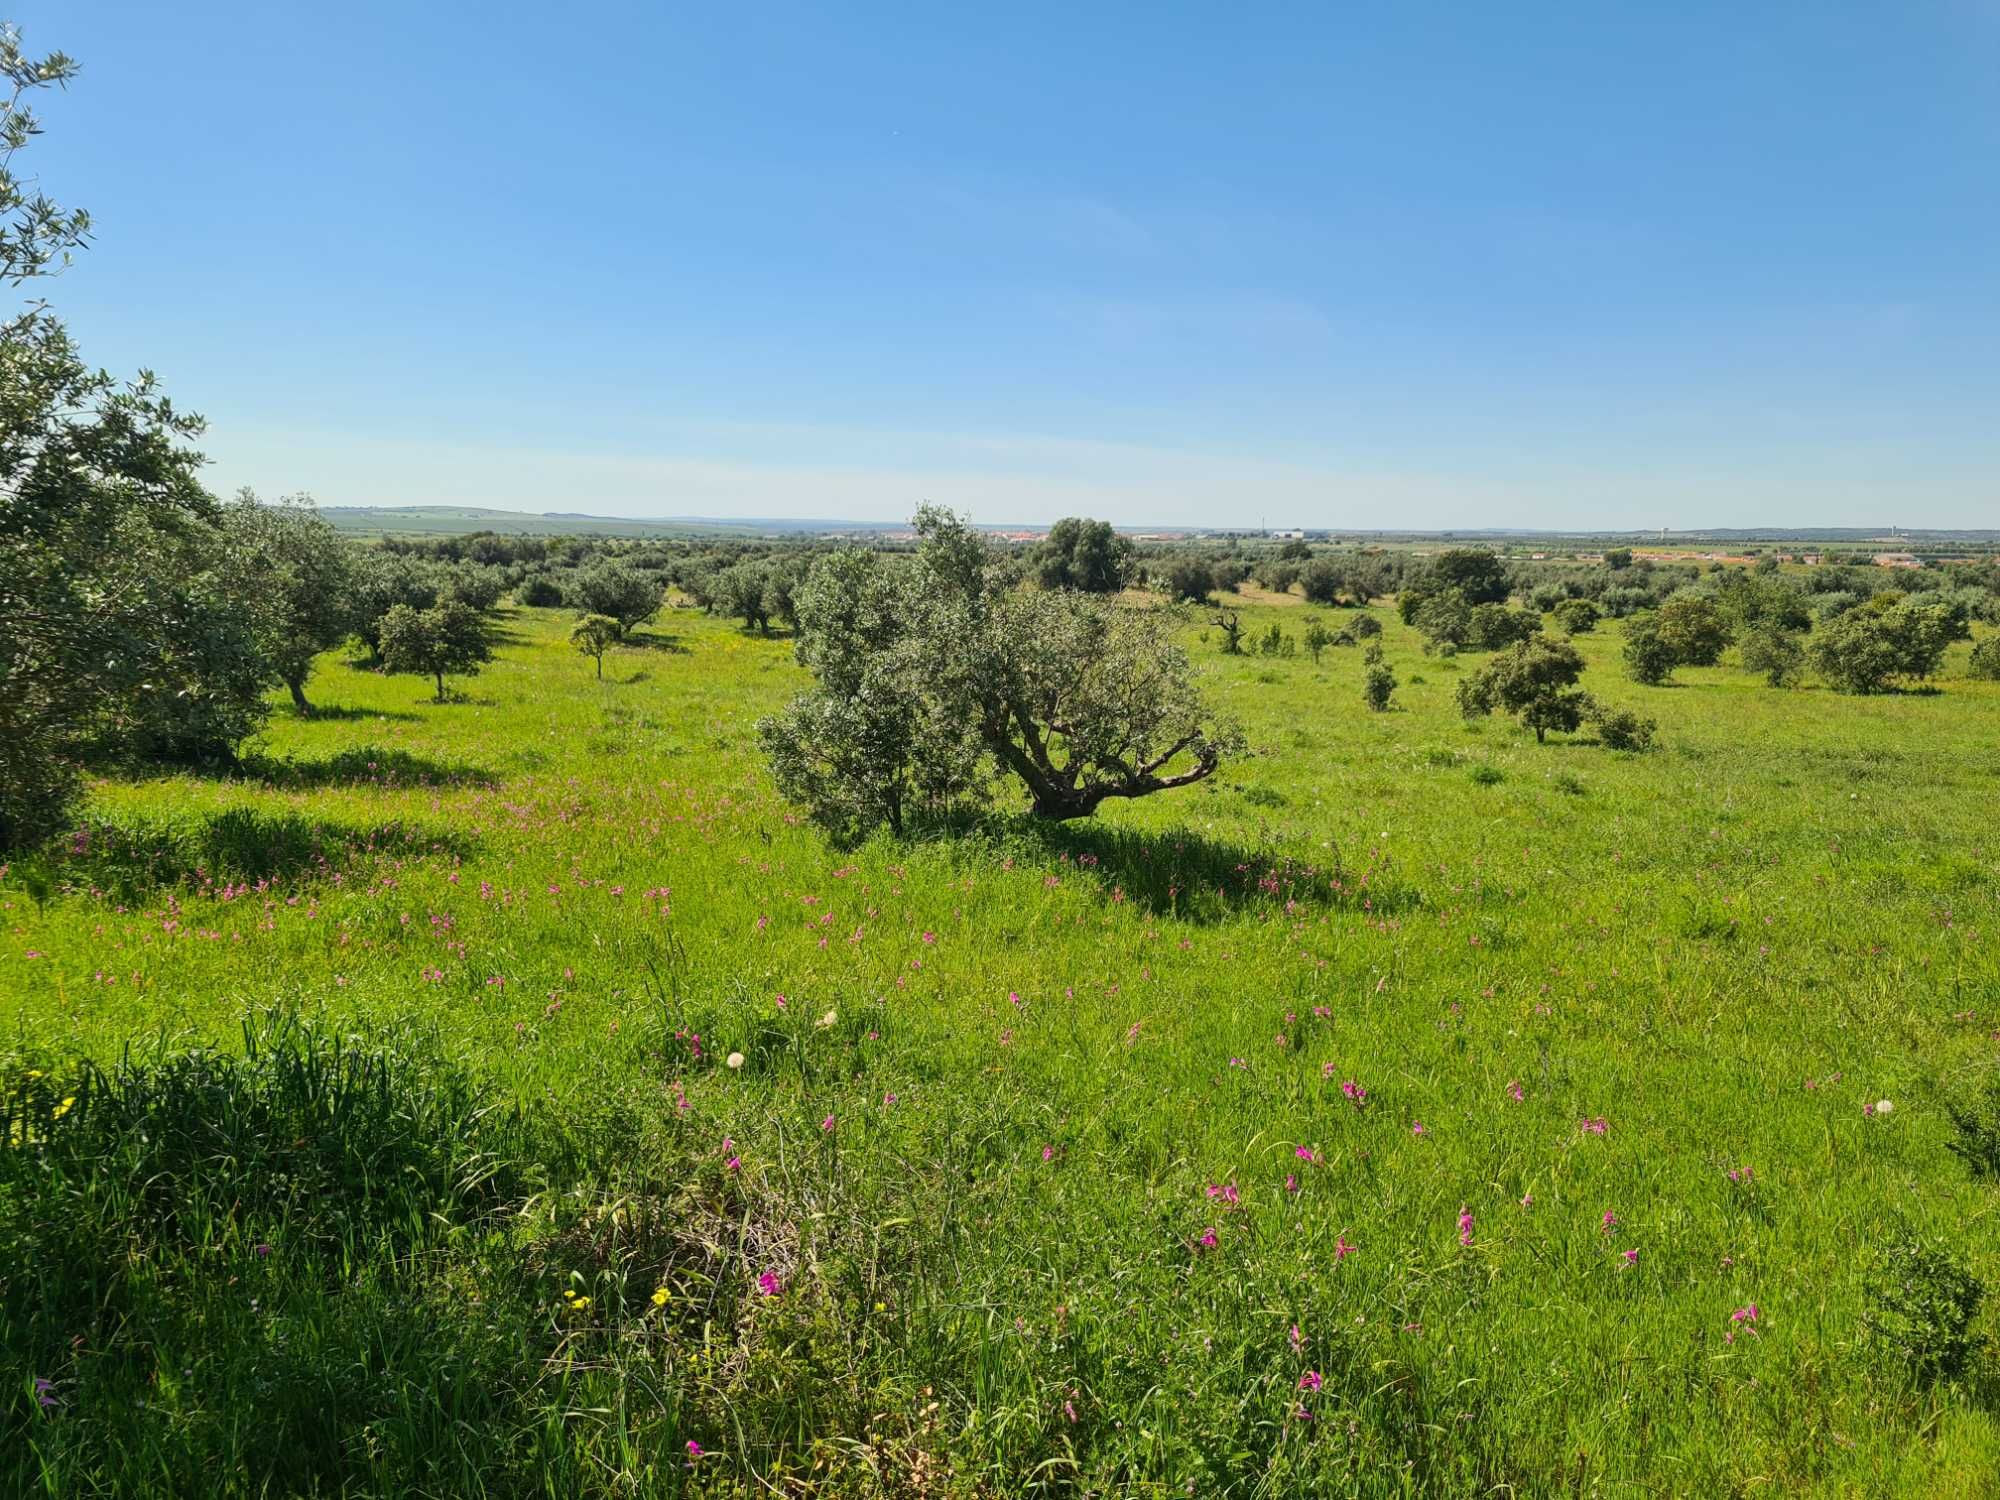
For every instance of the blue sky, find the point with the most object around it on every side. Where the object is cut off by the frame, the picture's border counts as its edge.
(1324, 265)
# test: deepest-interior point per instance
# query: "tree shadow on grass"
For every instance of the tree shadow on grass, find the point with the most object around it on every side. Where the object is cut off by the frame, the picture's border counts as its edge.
(240, 846)
(322, 714)
(654, 640)
(367, 765)
(1193, 878)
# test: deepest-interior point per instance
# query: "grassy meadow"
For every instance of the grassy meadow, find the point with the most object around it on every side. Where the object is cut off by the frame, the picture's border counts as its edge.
(1412, 1109)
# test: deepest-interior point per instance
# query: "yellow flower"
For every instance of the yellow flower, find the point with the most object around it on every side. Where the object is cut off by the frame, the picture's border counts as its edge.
(63, 1108)
(660, 1297)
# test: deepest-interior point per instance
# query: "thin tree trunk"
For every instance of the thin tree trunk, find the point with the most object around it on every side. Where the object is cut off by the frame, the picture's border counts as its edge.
(298, 688)
(440, 682)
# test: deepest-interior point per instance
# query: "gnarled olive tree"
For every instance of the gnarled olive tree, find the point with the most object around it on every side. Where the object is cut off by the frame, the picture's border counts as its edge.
(936, 677)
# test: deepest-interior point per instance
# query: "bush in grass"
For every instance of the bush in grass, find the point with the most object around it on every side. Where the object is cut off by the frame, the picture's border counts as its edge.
(1378, 686)
(1922, 1305)
(1985, 661)
(1621, 728)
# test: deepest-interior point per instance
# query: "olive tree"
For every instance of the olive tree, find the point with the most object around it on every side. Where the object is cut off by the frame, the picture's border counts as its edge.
(629, 595)
(936, 678)
(448, 640)
(1085, 555)
(306, 580)
(1984, 663)
(118, 634)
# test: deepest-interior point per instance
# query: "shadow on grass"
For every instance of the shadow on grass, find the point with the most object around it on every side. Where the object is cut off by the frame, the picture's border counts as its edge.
(1194, 878)
(241, 845)
(654, 640)
(323, 714)
(366, 766)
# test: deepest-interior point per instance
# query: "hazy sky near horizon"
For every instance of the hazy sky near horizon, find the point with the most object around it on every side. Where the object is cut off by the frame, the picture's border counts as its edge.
(1548, 265)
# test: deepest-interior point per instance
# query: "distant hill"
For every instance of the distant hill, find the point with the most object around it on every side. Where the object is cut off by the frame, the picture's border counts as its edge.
(457, 520)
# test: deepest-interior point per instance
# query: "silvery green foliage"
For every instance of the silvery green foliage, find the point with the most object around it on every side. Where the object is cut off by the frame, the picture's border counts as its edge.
(306, 576)
(629, 595)
(936, 677)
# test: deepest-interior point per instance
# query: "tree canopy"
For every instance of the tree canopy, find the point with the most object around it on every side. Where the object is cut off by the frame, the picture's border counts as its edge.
(936, 680)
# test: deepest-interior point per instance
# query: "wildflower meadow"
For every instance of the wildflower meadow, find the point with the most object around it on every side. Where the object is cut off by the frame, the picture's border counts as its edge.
(515, 1096)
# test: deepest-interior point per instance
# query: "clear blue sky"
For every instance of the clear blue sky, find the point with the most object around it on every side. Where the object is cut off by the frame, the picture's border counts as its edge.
(1417, 265)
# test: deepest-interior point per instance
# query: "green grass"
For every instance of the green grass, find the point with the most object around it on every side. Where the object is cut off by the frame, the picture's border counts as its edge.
(432, 1004)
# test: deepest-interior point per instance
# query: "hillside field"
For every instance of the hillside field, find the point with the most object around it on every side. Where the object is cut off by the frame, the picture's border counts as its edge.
(1410, 1109)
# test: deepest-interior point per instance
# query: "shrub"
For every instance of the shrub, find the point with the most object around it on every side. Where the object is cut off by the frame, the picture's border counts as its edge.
(1977, 1123)
(1363, 627)
(1486, 775)
(1985, 661)
(1317, 638)
(1378, 686)
(539, 592)
(1922, 1306)
(1622, 729)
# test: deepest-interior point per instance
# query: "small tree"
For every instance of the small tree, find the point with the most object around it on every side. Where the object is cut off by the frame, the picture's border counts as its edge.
(1190, 578)
(1322, 581)
(1535, 681)
(1232, 632)
(1695, 629)
(1316, 637)
(1445, 620)
(1776, 653)
(1378, 686)
(1648, 658)
(1618, 559)
(1577, 616)
(1363, 627)
(1985, 661)
(449, 639)
(593, 636)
